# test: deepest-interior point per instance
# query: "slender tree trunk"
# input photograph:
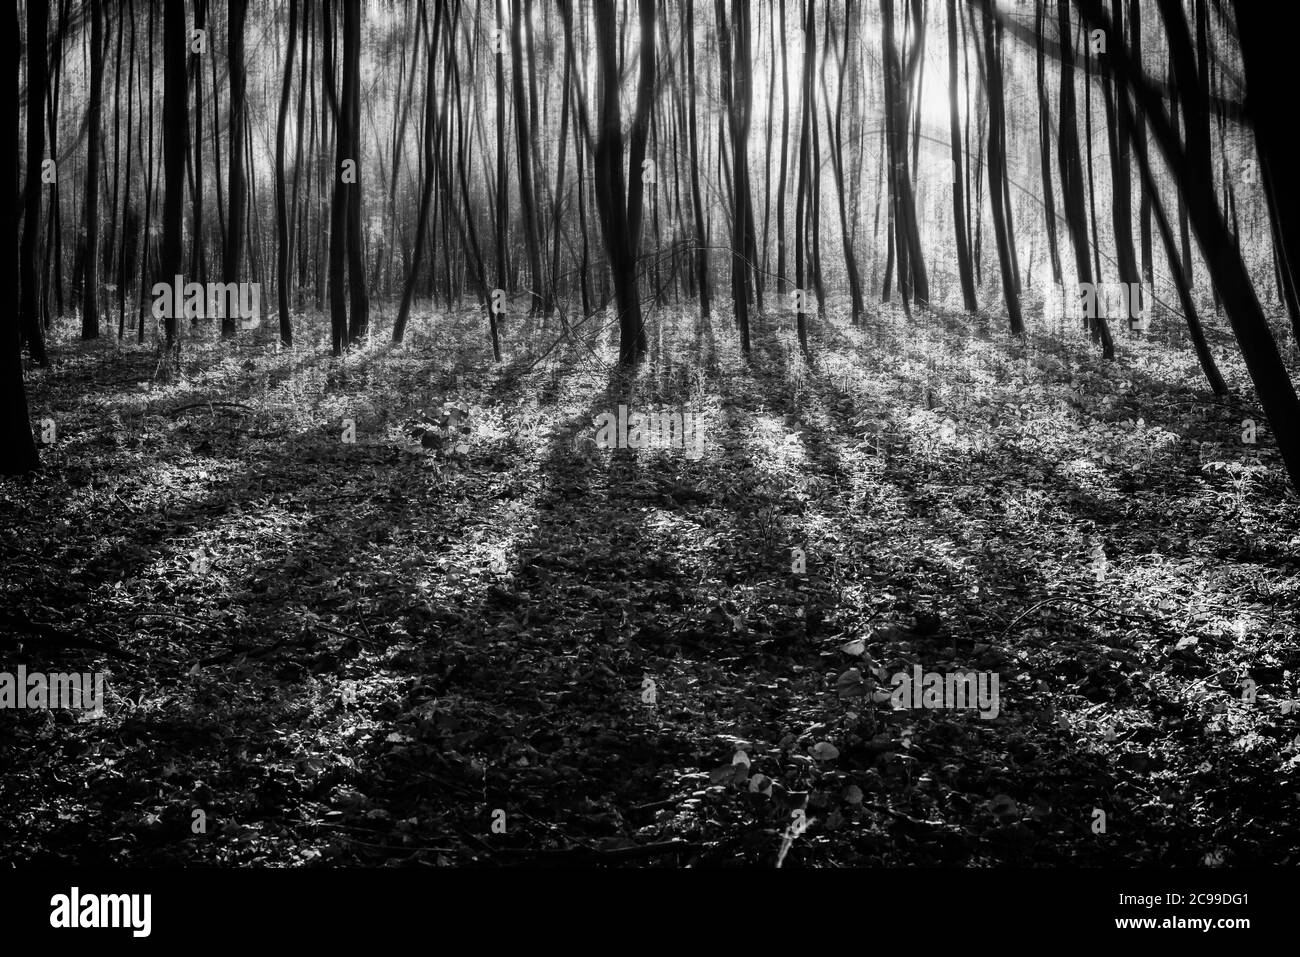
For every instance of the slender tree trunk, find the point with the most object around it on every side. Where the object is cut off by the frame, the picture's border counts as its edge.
(835, 131)
(302, 214)
(502, 181)
(283, 230)
(997, 172)
(1140, 142)
(958, 208)
(1076, 213)
(1092, 178)
(54, 222)
(33, 329)
(527, 201)
(735, 90)
(175, 136)
(611, 191)
(1045, 142)
(90, 275)
(426, 191)
(558, 203)
(20, 455)
(804, 188)
(701, 226)
(236, 194)
(339, 204)
(148, 253)
(359, 319)
(130, 222)
(198, 261)
(1119, 122)
(1197, 333)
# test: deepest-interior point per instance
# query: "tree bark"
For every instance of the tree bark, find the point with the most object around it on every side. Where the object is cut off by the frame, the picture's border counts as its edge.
(283, 229)
(33, 329)
(90, 275)
(235, 192)
(997, 173)
(20, 454)
(175, 139)
(964, 270)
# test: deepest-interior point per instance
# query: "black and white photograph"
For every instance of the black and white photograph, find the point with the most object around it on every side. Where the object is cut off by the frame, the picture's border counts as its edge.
(448, 440)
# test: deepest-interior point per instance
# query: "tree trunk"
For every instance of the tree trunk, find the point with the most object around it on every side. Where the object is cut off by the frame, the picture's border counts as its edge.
(1119, 123)
(527, 201)
(735, 94)
(33, 329)
(835, 130)
(283, 231)
(359, 320)
(701, 229)
(20, 454)
(958, 202)
(339, 203)
(997, 173)
(90, 276)
(1045, 143)
(1271, 92)
(235, 193)
(1076, 212)
(611, 191)
(426, 190)
(175, 139)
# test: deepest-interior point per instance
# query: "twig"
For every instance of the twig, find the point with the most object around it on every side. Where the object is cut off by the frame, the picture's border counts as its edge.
(22, 551)
(210, 405)
(343, 634)
(254, 653)
(44, 630)
(613, 853)
(1080, 601)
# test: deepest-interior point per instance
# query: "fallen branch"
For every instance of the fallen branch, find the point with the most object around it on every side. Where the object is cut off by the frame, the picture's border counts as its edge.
(211, 406)
(40, 629)
(1047, 601)
(601, 855)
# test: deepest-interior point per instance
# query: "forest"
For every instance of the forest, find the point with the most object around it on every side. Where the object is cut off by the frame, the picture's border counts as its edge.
(650, 433)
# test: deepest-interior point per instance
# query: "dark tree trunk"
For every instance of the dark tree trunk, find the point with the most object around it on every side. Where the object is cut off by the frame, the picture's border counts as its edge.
(735, 94)
(130, 222)
(1076, 211)
(1140, 143)
(235, 193)
(426, 190)
(339, 203)
(1184, 288)
(1119, 123)
(198, 261)
(1270, 87)
(611, 190)
(527, 201)
(834, 127)
(359, 320)
(701, 229)
(33, 329)
(997, 173)
(90, 276)
(1045, 143)
(20, 455)
(283, 229)
(964, 270)
(175, 138)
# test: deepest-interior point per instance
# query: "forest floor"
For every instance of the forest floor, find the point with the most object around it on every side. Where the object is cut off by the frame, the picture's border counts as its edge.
(360, 652)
